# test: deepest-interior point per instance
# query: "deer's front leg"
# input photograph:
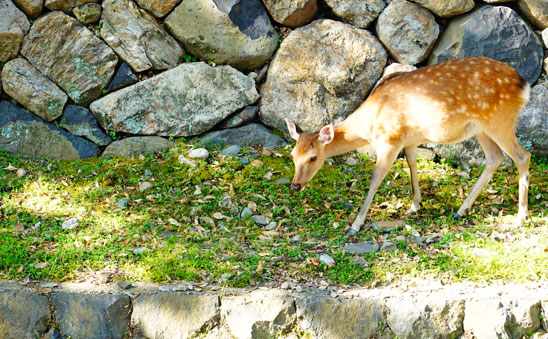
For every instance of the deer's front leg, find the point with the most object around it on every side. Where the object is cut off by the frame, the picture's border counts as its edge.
(386, 154)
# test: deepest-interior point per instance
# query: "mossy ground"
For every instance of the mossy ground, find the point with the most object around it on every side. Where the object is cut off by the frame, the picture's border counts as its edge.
(181, 244)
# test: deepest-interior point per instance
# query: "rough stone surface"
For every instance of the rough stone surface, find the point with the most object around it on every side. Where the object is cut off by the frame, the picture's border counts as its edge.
(361, 248)
(158, 8)
(134, 146)
(246, 115)
(187, 100)
(172, 315)
(21, 132)
(321, 72)
(408, 31)
(356, 12)
(70, 55)
(32, 8)
(436, 316)
(446, 9)
(31, 89)
(124, 77)
(292, 13)
(79, 121)
(341, 318)
(87, 13)
(495, 32)
(532, 124)
(13, 27)
(248, 135)
(90, 315)
(137, 38)
(65, 5)
(257, 315)
(535, 11)
(24, 314)
(238, 33)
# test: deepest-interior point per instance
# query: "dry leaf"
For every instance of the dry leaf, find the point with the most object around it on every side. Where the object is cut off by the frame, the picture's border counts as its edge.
(257, 163)
(174, 222)
(219, 216)
(20, 269)
(260, 268)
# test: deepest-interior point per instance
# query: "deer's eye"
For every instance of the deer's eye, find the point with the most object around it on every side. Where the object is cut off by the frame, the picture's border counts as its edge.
(314, 158)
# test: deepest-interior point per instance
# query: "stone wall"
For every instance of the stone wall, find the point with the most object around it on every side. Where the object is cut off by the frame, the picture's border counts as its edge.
(182, 311)
(77, 74)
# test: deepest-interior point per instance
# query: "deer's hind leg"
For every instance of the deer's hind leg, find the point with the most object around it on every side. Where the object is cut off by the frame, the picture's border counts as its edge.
(493, 158)
(411, 157)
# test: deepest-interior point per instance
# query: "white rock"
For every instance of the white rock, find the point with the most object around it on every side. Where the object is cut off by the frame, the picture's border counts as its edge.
(327, 260)
(70, 224)
(184, 161)
(198, 153)
(145, 186)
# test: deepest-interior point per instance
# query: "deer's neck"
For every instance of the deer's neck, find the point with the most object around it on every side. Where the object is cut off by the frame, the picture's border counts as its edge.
(344, 141)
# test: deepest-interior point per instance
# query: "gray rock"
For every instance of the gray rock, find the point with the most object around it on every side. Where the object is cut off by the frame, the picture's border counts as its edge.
(387, 226)
(341, 318)
(361, 248)
(327, 260)
(496, 32)
(248, 135)
(134, 146)
(388, 246)
(246, 212)
(227, 204)
(271, 226)
(65, 5)
(292, 13)
(13, 27)
(92, 315)
(283, 181)
(32, 8)
(246, 115)
(70, 224)
(183, 101)
(124, 77)
(436, 316)
(158, 8)
(321, 72)
(198, 153)
(173, 315)
(535, 11)
(532, 124)
(230, 151)
(238, 33)
(408, 31)
(24, 314)
(145, 186)
(446, 9)
(137, 38)
(87, 13)
(184, 161)
(356, 12)
(21, 132)
(79, 121)
(31, 89)
(122, 203)
(70, 55)
(258, 315)
(359, 261)
(261, 220)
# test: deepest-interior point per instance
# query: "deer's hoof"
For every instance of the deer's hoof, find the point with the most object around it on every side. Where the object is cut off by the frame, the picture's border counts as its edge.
(352, 231)
(457, 216)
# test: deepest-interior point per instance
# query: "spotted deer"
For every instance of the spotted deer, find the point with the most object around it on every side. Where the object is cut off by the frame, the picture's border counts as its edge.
(443, 103)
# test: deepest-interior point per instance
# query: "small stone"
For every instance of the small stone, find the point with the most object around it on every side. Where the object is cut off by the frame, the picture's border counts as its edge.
(361, 248)
(268, 176)
(227, 204)
(296, 238)
(231, 151)
(87, 13)
(327, 260)
(122, 203)
(145, 186)
(272, 225)
(21, 173)
(207, 220)
(70, 224)
(359, 261)
(148, 173)
(285, 285)
(298, 289)
(140, 250)
(184, 161)
(244, 161)
(388, 246)
(198, 153)
(545, 37)
(261, 220)
(283, 181)
(387, 226)
(351, 162)
(247, 212)
(124, 285)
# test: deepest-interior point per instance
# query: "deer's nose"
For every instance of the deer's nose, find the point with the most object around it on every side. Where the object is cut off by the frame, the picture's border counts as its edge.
(296, 187)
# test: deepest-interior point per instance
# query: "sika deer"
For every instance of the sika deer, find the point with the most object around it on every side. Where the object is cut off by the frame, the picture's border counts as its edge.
(442, 103)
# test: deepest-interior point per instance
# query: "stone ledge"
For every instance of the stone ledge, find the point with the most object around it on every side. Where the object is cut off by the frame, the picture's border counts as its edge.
(154, 311)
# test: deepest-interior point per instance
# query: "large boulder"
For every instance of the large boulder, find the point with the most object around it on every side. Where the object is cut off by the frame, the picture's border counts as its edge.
(137, 38)
(408, 31)
(135, 146)
(322, 72)
(248, 135)
(158, 8)
(446, 9)
(21, 132)
(33, 90)
(24, 315)
(292, 13)
(13, 27)
(496, 32)
(87, 13)
(70, 55)
(359, 13)
(234, 32)
(535, 11)
(32, 8)
(532, 124)
(186, 100)
(65, 5)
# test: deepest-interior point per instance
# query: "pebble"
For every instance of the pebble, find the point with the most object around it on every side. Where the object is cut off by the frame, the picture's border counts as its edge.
(298, 289)
(122, 203)
(21, 173)
(244, 161)
(272, 225)
(268, 176)
(261, 220)
(351, 162)
(296, 238)
(145, 186)
(283, 181)
(70, 224)
(140, 250)
(357, 260)
(285, 285)
(327, 260)
(227, 204)
(199, 153)
(246, 212)
(361, 248)
(184, 161)
(148, 173)
(231, 151)
(388, 246)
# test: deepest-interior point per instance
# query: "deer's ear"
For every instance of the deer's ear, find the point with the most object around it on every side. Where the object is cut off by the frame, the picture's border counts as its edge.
(327, 133)
(294, 130)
